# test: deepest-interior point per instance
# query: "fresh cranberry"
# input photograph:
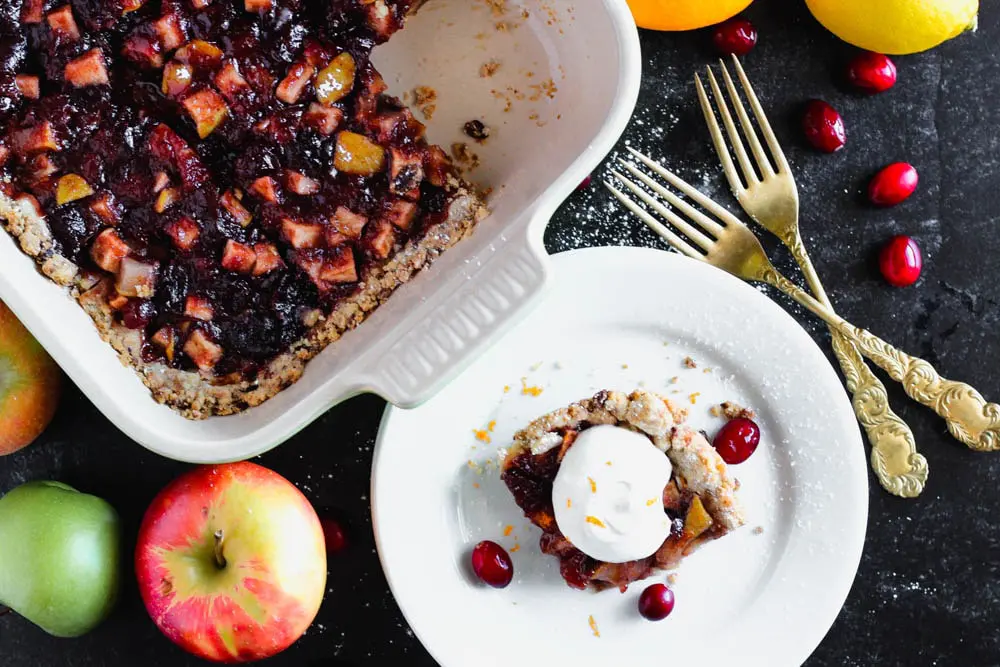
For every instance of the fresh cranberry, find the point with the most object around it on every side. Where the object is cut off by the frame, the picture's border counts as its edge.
(137, 313)
(492, 564)
(336, 537)
(900, 261)
(735, 36)
(823, 126)
(656, 602)
(585, 183)
(737, 440)
(871, 72)
(893, 184)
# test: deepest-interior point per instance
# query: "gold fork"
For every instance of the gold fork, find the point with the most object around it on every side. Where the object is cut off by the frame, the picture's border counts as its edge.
(769, 196)
(728, 244)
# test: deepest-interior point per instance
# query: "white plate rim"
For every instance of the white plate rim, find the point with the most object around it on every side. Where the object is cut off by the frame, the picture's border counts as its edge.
(855, 487)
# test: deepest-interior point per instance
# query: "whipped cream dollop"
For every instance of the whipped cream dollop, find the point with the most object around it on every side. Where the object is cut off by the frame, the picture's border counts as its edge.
(608, 494)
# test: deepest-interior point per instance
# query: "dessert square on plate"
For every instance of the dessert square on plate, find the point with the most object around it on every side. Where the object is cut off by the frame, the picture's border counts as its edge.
(699, 501)
(224, 186)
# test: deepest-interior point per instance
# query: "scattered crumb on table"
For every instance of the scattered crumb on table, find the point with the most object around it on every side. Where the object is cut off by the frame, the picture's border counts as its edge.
(759, 530)
(425, 100)
(690, 363)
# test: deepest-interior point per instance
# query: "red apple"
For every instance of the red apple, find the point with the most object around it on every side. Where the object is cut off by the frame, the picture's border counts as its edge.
(231, 562)
(29, 385)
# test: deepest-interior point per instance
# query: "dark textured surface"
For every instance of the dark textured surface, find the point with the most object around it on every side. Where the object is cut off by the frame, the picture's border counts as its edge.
(928, 590)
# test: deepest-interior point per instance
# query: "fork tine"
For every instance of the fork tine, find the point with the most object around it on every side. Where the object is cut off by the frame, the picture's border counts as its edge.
(675, 241)
(749, 175)
(707, 223)
(758, 112)
(748, 130)
(687, 190)
(687, 229)
(720, 141)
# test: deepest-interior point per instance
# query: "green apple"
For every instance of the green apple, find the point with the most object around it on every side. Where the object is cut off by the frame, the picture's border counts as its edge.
(59, 557)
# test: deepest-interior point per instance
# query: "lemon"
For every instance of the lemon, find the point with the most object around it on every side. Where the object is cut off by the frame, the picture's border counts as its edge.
(896, 27)
(684, 14)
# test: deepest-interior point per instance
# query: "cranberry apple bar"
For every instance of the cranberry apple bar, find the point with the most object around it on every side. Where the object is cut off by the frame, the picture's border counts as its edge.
(223, 184)
(647, 491)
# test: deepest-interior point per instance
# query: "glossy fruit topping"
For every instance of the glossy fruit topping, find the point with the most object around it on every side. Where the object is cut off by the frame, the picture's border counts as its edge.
(656, 602)
(823, 127)
(492, 564)
(334, 534)
(737, 440)
(735, 37)
(871, 72)
(900, 261)
(893, 185)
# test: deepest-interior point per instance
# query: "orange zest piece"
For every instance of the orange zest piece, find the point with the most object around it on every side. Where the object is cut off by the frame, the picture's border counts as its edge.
(492, 425)
(694, 397)
(484, 436)
(594, 520)
(593, 626)
(593, 485)
(506, 388)
(475, 485)
(650, 502)
(607, 463)
(529, 391)
(508, 530)
(514, 549)
(569, 503)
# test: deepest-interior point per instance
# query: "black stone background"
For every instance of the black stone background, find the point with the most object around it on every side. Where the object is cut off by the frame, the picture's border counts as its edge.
(928, 590)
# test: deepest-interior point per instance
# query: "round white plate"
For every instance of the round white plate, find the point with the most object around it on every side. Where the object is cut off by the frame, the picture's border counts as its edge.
(618, 319)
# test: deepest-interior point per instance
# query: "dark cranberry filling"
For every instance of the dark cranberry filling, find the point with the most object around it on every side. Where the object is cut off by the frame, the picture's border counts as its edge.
(234, 165)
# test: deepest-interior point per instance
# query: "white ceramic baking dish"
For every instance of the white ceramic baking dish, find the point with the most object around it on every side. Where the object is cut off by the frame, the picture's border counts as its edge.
(566, 85)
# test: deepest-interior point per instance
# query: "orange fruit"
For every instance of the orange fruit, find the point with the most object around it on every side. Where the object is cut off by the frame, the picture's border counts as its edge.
(684, 14)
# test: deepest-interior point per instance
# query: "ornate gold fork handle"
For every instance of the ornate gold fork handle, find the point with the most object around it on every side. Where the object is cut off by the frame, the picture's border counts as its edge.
(970, 418)
(900, 469)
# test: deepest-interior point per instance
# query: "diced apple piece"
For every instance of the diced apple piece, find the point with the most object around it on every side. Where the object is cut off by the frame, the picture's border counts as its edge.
(230, 82)
(170, 31)
(302, 234)
(29, 86)
(63, 24)
(437, 166)
(268, 259)
(401, 213)
(230, 201)
(166, 199)
(336, 80)
(394, 125)
(168, 146)
(87, 70)
(345, 225)
(117, 301)
(41, 137)
(406, 171)
(136, 278)
(311, 262)
(325, 119)
(184, 232)
(258, 6)
(32, 11)
(200, 53)
(106, 208)
(291, 87)
(204, 352)
(300, 184)
(166, 340)
(356, 154)
(72, 187)
(160, 181)
(340, 267)
(108, 250)
(207, 109)
(381, 239)
(380, 19)
(367, 101)
(200, 4)
(176, 78)
(132, 5)
(238, 257)
(39, 168)
(143, 51)
(199, 308)
(266, 188)
(697, 520)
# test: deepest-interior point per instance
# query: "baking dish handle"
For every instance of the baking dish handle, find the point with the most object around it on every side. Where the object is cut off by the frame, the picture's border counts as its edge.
(463, 323)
